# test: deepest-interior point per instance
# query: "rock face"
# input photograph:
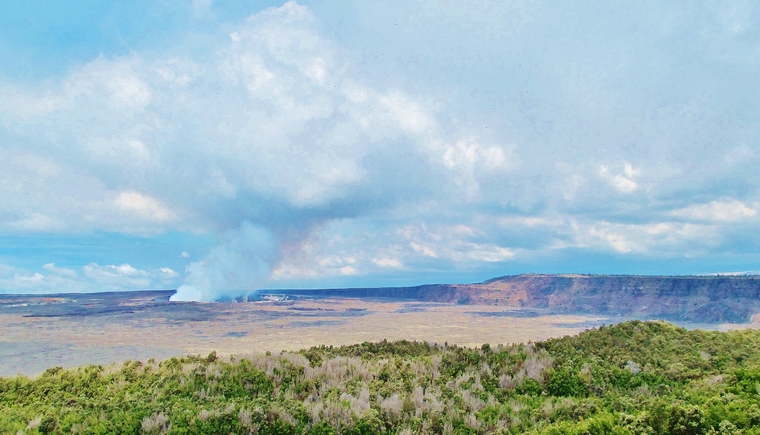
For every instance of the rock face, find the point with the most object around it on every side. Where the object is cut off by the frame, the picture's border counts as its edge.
(699, 299)
(713, 299)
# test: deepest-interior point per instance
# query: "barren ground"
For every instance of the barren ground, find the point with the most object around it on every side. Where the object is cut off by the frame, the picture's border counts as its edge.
(71, 330)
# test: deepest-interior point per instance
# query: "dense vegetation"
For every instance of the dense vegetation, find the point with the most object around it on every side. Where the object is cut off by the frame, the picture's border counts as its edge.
(632, 378)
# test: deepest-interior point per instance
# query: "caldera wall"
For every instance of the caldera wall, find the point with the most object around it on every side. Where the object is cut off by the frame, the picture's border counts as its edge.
(701, 299)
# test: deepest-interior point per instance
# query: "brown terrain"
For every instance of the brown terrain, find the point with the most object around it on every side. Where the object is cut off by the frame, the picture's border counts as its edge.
(38, 332)
(693, 299)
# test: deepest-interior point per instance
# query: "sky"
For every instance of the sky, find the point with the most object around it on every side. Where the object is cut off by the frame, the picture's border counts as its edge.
(219, 147)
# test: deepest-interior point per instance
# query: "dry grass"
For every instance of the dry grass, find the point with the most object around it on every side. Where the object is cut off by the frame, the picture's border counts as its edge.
(261, 327)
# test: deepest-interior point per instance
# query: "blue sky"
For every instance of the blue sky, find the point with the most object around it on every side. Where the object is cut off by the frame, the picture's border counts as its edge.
(224, 146)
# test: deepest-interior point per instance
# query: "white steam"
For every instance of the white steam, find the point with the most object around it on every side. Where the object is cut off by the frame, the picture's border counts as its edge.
(238, 265)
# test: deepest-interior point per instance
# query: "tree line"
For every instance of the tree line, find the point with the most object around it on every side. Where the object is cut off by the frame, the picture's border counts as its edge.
(632, 378)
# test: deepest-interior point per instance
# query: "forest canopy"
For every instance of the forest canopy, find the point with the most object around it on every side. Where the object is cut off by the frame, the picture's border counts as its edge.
(631, 378)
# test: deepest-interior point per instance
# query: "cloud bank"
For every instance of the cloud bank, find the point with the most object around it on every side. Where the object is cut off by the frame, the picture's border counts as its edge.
(529, 131)
(89, 278)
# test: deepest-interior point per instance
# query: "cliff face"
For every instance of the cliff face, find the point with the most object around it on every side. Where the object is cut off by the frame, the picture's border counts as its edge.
(702, 299)
(696, 299)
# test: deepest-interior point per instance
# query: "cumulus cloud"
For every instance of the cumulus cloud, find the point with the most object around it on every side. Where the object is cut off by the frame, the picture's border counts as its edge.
(142, 205)
(272, 115)
(63, 271)
(387, 262)
(623, 182)
(270, 127)
(92, 278)
(379, 249)
(112, 275)
(313, 155)
(717, 211)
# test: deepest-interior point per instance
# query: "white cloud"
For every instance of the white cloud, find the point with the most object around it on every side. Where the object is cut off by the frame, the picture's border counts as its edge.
(167, 276)
(622, 182)
(167, 273)
(616, 239)
(169, 141)
(425, 250)
(93, 278)
(717, 211)
(446, 142)
(475, 163)
(36, 222)
(387, 262)
(6, 270)
(468, 153)
(406, 112)
(150, 131)
(129, 91)
(663, 238)
(348, 270)
(69, 273)
(376, 249)
(142, 205)
(121, 276)
(486, 252)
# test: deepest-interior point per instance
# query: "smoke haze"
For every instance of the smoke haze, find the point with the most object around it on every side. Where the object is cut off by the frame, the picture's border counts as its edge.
(240, 263)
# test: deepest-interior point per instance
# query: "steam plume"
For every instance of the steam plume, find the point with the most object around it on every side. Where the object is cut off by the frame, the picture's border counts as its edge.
(238, 265)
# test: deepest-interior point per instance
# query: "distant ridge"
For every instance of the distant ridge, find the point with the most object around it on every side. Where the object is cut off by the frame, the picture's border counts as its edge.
(708, 299)
(689, 298)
